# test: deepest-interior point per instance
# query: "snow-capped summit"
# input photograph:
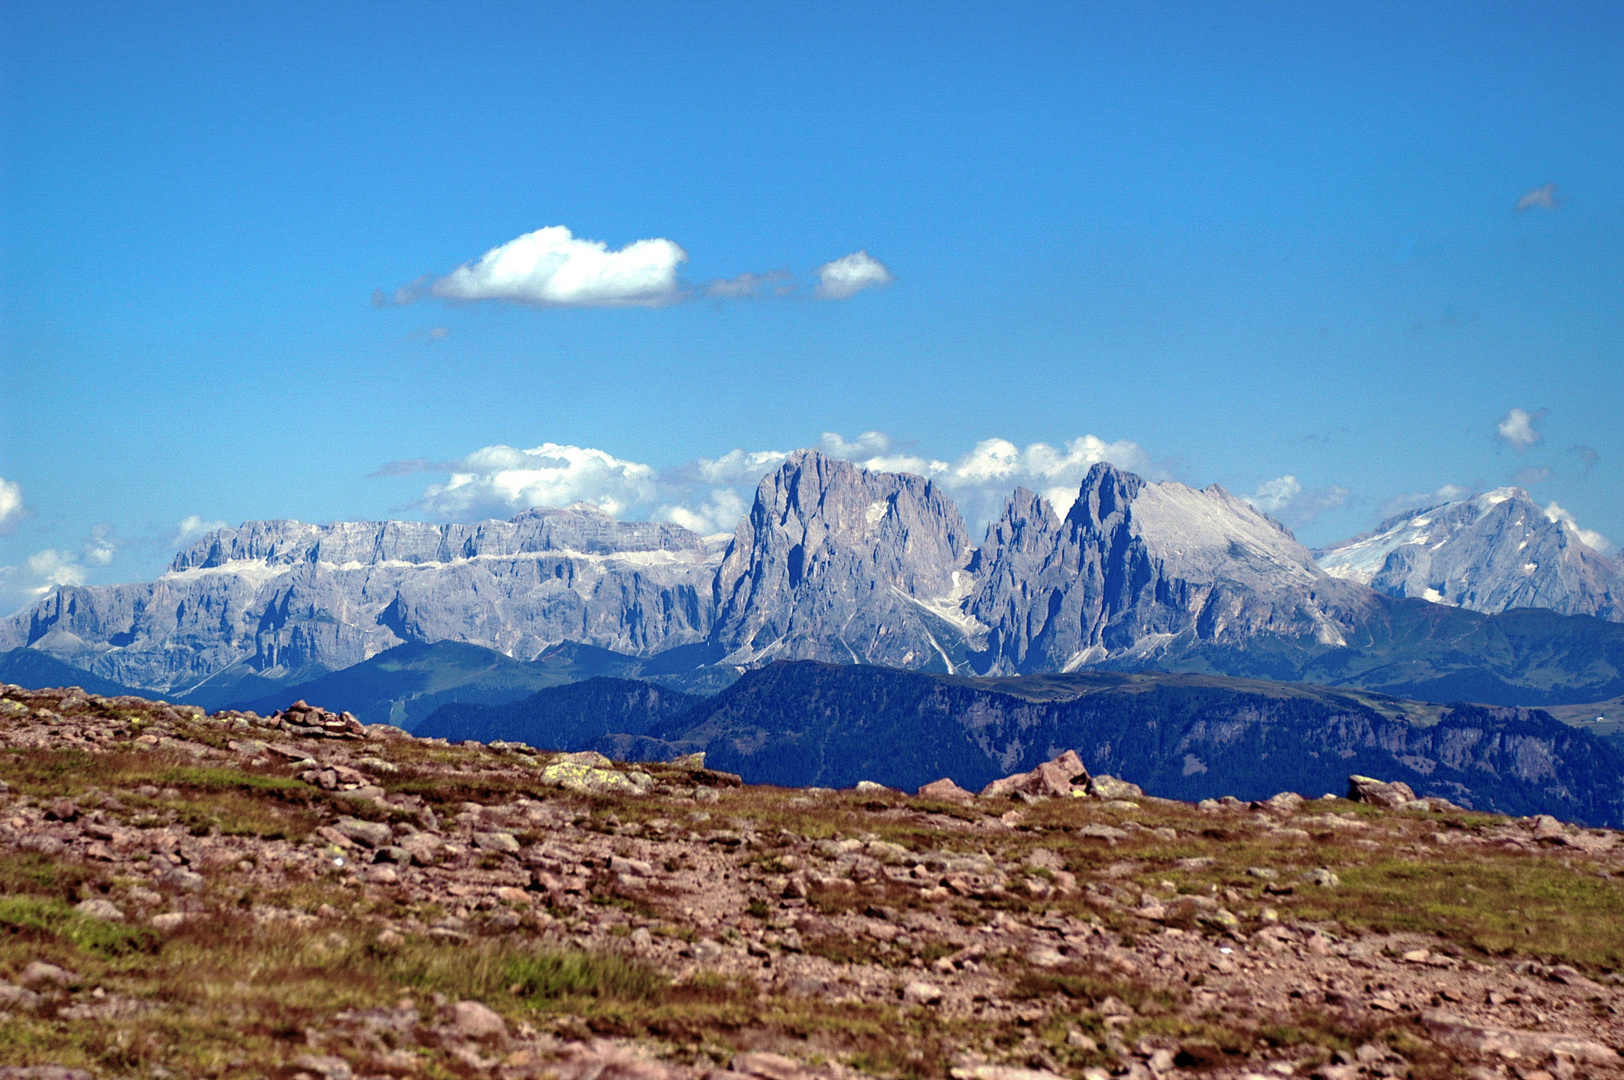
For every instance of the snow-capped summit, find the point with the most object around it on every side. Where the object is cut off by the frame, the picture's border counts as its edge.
(1489, 552)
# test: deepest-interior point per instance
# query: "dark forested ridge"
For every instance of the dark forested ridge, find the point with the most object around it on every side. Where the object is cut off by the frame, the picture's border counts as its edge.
(1179, 736)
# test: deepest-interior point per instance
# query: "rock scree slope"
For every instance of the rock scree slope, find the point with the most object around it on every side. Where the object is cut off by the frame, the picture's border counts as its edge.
(304, 896)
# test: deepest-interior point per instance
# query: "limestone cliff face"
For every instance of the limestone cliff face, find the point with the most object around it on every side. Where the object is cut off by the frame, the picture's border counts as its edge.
(841, 564)
(846, 565)
(1491, 552)
(1143, 571)
(283, 596)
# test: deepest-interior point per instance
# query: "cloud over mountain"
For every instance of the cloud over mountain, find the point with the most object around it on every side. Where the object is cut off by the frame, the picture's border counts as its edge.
(709, 495)
(1285, 499)
(499, 481)
(1517, 429)
(11, 504)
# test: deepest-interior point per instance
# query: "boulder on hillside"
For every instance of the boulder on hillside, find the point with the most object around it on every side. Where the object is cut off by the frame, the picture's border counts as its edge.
(946, 790)
(1064, 777)
(1367, 789)
(1110, 787)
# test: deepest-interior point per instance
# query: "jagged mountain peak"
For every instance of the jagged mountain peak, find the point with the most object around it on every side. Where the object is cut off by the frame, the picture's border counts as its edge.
(1489, 552)
(1205, 532)
(842, 563)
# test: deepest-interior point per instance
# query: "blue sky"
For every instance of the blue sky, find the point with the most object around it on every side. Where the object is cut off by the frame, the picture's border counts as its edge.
(1231, 243)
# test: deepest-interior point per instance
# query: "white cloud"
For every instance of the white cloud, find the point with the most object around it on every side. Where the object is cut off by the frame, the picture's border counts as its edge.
(850, 275)
(39, 574)
(710, 495)
(1544, 195)
(1590, 536)
(552, 268)
(11, 504)
(499, 481)
(1285, 499)
(734, 467)
(720, 512)
(1517, 429)
(191, 527)
(1446, 494)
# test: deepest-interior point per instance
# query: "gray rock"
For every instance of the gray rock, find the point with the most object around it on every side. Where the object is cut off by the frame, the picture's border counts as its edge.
(1368, 789)
(921, 993)
(11, 994)
(38, 972)
(499, 842)
(473, 1020)
(181, 879)
(325, 1065)
(97, 908)
(374, 834)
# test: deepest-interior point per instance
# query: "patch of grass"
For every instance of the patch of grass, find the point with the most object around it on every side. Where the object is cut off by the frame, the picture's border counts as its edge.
(1087, 986)
(53, 919)
(544, 977)
(1493, 906)
(840, 949)
(28, 872)
(228, 780)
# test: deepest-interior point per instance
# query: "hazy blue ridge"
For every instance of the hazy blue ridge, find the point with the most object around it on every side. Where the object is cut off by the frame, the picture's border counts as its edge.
(1188, 737)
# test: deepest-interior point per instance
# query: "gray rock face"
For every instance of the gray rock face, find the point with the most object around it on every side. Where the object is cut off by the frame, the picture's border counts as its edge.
(834, 563)
(283, 596)
(841, 564)
(1141, 571)
(1491, 552)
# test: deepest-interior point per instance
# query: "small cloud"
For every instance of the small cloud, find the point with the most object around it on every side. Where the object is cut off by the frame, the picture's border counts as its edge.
(102, 545)
(45, 570)
(720, 512)
(1286, 499)
(553, 268)
(1587, 455)
(438, 333)
(745, 286)
(408, 466)
(850, 275)
(1589, 536)
(500, 481)
(1517, 428)
(732, 468)
(192, 527)
(1529, 475)
(11, 505)
(1448, 493)
(1544, 195)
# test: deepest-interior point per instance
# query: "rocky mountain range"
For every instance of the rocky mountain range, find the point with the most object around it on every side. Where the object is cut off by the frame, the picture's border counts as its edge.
(1490, 552)
(834, 563)
(286, 600)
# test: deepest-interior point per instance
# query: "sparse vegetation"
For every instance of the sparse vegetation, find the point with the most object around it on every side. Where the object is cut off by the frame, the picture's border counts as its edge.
(746, 918)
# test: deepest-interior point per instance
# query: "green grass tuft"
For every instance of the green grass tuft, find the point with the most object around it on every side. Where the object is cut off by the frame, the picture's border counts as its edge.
(55, 919)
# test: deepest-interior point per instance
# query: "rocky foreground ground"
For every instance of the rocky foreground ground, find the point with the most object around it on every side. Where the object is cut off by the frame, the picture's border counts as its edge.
(300, 895)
